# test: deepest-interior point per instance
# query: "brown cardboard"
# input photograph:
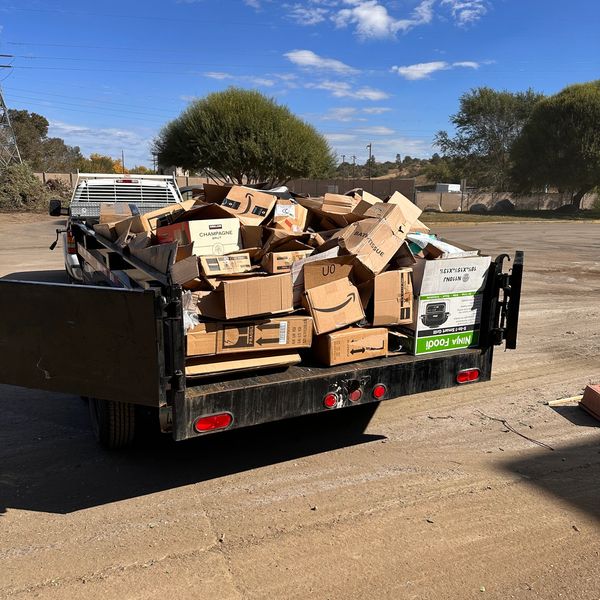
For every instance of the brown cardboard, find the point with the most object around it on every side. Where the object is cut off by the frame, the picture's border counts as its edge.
(185, 270)
(298, 271)
(281, 262)
(149, 220)
(250, 206)
(215, 193)
(257, 296)
(251, 236)
(112, 212)
(289, 216)
(199, 367)
(209, 236)
(293, 331)
(333, 305)
(160, 257)
(373, 242)
(419, 227)
(325, 271)
(364, 200)
(106, 230)
(225, 265)
(393, 298)
(591, 400)
(338, 204)
(350, 345)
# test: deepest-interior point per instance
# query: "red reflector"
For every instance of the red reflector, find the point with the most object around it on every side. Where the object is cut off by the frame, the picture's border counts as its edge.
(355, 395)
(379, 391)
(467, 376)
(330, 400)
(71, 243)
(220, 421)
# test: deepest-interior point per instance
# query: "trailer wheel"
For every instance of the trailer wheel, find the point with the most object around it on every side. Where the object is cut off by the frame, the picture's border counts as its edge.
(113, 423)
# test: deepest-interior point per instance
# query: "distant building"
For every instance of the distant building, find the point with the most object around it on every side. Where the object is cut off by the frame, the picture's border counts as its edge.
(447, 187)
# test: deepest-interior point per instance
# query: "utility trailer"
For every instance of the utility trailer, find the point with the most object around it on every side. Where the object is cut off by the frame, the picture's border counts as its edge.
(123, 347)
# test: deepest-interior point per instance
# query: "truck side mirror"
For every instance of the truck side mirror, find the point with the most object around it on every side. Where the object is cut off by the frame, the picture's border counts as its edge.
(55, 208)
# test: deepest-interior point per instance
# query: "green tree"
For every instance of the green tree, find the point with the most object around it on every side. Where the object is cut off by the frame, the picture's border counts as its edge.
(36, 148)
(20, 189)
(99, 163)
(246, 137)
(487, 123)
(560, 144)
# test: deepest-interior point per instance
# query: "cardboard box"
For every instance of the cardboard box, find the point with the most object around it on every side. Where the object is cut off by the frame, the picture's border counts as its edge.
(289, 216)
(247, 297)
(448, 303)
(327, 270)
(373, 242)
(112, 212)
(399, 216)
(293, 331)
(298, 271)
(185, 270)
(333, 305)
(161, 257)
(149, 221)
(250, 206)
(281, 262)
(591, 400)
(205, 367)
(351, 345)
(364, 200)
(211, 237)
(225, 265)
(393, 298)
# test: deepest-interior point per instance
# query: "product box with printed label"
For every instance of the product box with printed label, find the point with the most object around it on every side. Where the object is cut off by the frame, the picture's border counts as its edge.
(449, 300)
(209, 236)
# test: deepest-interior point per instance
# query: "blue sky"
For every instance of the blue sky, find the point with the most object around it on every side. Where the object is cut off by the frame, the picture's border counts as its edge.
(108, 75)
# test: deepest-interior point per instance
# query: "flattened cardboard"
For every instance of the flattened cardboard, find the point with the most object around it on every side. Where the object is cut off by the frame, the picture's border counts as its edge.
(281, 262)
(225, 265)
(364, 200)
(106, 230)
(112, 212)
(283, 333)
(209, 236)
(289, 216)
(372, 241)
(185, 270)
(297, 271)
(393, 298)
(591, 401)
(351, 345)
(325, 271)
(214, 193)
(160, 257)
(149, 220)
(338, 204)
(204, 367)
(250, 206)
(333, 305)
(251, 236)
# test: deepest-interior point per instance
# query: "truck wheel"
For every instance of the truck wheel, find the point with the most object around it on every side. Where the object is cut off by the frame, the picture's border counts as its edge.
(113, 423)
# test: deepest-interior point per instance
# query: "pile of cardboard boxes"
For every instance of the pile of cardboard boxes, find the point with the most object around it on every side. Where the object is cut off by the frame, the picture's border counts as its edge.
(273, 279)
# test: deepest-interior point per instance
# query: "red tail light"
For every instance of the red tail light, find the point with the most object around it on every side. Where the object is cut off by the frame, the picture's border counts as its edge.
(330, 400)
(467, 376)
(379, 391)
(212, 423)
(355, 395)
(71, 243)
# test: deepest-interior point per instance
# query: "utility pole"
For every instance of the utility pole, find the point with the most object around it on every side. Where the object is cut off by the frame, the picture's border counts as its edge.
(370, 149)
(353, 167)
(9, 151)
(343, 163)
(123, 161)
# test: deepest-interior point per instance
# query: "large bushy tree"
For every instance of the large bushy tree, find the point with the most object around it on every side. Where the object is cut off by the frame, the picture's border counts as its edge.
(560, 144)
(487, 123)
(245, 137)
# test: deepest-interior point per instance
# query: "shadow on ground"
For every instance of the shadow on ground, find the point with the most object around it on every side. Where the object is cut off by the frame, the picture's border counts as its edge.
(49, 461)
(571, 473)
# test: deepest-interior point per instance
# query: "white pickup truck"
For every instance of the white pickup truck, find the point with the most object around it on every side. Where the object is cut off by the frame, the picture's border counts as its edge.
(143, 193)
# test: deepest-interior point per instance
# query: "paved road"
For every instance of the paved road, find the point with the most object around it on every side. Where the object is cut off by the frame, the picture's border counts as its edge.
(436, 500)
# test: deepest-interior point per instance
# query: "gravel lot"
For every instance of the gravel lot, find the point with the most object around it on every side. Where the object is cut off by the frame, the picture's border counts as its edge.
(435, 500)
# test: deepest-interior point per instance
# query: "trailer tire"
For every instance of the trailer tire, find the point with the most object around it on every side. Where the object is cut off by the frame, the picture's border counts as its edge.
(113, 423)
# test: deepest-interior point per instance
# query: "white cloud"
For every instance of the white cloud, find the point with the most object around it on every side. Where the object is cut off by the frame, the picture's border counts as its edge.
(424, 70)
(109, 141)
(372, 19)
(376, 130)
(307, 15)
(342, 89)
(217, 75)
(376, 110)
(466, 12)
(253, 3)
(343, 114)
(336, 138)
(308, 59)
(251, 79)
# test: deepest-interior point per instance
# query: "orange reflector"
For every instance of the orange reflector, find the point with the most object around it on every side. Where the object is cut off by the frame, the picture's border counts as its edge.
(467, 376)
(220, 421)
(355, 395)
(330, 400)
(379, 391)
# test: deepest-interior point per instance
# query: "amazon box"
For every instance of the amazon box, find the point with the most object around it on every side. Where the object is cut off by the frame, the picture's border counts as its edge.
(293, 331)
(289, 216)
(373, 242)
(393, 298)
(325, 271)
(298, 271)
(333, 306)
(225, 265)
(350, 345)
(210, 236)
(250, 206)
(247, 297)
(281, 262)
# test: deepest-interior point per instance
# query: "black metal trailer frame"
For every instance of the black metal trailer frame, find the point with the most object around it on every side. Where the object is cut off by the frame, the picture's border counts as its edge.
(126, 345)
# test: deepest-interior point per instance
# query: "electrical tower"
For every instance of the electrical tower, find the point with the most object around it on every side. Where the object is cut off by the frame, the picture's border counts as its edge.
(9, 151)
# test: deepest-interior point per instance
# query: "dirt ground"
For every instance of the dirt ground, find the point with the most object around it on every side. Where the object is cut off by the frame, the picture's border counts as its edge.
(434, 501)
